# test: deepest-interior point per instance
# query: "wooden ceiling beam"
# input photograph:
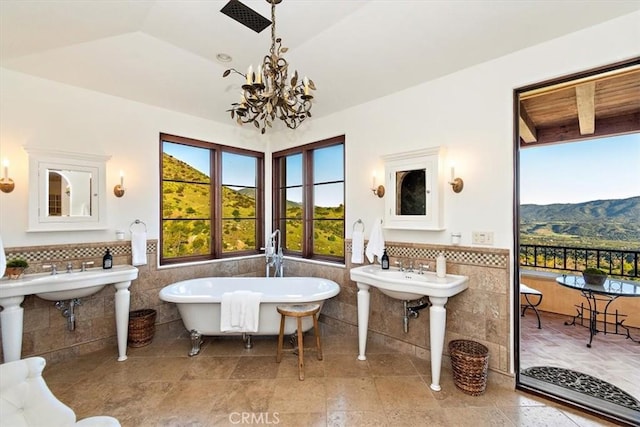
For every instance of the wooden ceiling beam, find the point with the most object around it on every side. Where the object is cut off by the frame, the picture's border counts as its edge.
(527, 129)
(585, 102)
(612, 126)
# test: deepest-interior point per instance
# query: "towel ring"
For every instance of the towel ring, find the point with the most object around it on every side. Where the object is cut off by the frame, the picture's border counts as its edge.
(136, 222)
(355, 224)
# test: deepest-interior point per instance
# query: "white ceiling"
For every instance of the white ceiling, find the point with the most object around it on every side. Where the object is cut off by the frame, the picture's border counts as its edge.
(163, 52)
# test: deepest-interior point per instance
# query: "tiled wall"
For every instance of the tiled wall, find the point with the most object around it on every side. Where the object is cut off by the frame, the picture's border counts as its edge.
(480, 313)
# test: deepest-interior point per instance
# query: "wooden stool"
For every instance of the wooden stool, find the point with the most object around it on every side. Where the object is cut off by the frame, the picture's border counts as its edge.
(299, 311)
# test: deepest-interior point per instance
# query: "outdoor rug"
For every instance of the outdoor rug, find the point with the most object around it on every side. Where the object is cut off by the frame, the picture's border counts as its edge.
(583, 383)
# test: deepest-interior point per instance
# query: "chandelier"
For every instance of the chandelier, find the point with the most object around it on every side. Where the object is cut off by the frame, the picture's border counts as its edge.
(268, 93)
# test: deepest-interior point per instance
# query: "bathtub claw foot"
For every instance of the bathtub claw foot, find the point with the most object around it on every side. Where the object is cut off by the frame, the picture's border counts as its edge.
(248, 343)
(196, 341)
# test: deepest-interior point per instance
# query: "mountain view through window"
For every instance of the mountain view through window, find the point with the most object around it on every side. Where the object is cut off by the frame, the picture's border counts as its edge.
(582, 194)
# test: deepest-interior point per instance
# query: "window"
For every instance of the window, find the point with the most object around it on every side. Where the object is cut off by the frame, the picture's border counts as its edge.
(308, 205)
(211, 204)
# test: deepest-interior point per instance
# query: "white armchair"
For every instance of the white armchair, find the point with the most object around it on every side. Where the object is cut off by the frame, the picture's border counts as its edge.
(25, 399)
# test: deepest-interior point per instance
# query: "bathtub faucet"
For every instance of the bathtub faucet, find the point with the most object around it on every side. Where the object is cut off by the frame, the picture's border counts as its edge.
(273, 254)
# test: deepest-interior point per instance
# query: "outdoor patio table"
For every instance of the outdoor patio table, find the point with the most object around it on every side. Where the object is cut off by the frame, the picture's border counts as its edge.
(604, 294)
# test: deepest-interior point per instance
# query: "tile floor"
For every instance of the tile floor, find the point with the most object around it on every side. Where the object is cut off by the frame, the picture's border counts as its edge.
(612, 358)
(227, 385)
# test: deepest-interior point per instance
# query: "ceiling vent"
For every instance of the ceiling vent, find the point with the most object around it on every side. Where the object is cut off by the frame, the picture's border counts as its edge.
(245, 15)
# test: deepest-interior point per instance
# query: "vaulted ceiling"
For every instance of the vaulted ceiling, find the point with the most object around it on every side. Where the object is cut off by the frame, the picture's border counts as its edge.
(163, 53)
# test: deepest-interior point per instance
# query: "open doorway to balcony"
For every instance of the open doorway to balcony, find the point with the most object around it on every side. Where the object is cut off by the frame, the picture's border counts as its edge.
(560, 125)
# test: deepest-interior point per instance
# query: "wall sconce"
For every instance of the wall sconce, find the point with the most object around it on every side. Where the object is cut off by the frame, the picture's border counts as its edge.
(118, 190)
(457, 184)
(378, 190)
(6, 184)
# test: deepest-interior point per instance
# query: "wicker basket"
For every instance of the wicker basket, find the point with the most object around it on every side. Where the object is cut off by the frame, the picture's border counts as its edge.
(470, 361)
(142, 326)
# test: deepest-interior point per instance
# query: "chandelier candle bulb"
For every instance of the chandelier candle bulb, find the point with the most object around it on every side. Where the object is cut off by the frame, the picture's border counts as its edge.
(259, 75)
(249, 75)
(6, 168)
(122, 179)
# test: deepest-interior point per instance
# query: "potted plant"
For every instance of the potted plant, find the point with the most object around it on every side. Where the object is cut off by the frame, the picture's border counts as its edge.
(15, 268)
(594, 276)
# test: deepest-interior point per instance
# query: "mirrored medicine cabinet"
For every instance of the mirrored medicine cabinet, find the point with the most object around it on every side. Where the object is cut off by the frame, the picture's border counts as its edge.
(67, 190)
(414, 189)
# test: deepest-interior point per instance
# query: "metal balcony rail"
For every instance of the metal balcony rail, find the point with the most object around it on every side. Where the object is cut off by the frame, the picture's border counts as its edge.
(619, 263)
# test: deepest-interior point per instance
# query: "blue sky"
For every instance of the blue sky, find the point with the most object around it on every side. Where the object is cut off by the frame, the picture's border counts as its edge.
(195, 157)
(234, 172)
(607, 168)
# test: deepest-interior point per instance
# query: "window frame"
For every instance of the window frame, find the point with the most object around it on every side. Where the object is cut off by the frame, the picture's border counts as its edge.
(215, 185)
(278, 204)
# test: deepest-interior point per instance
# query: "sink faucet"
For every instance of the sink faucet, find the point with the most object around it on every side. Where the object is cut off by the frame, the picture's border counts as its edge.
(52, 266)
(400, 266)
(410, 268)
(273, 254)
(69, 267)
(422, 267)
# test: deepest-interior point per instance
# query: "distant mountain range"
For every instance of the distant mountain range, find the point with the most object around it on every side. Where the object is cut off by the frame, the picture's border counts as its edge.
(597, 223)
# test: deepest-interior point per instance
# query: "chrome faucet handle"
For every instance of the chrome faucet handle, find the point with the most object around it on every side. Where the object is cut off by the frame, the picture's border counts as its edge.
(83, 266)
(268, 256)
(52, 266)
(422, 267)
(69, 267)
(400, 266)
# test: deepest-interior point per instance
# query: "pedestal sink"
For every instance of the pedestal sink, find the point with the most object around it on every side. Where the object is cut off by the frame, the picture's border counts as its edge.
(58, 287)
(403, 285)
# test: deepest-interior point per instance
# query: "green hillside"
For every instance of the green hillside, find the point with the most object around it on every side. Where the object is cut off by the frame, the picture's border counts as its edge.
(608, 224)
(187, 206)
(328, 238)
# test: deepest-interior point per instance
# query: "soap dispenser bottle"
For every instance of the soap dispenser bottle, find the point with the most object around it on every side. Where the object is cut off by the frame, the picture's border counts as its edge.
(441, 265)
(384, 261)
(107, 260)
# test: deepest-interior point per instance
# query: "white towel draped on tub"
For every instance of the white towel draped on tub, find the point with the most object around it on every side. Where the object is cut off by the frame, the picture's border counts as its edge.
(376, 244)
(139, 247)
(240, 311)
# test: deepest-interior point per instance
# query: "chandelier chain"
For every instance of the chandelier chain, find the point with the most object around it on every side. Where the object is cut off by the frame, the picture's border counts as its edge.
(273, 26)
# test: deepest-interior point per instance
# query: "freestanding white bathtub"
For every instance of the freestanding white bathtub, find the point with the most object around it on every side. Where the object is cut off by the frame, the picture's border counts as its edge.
(198, 302)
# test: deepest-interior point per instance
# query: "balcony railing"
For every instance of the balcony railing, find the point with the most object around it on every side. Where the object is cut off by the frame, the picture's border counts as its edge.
(619, 263)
